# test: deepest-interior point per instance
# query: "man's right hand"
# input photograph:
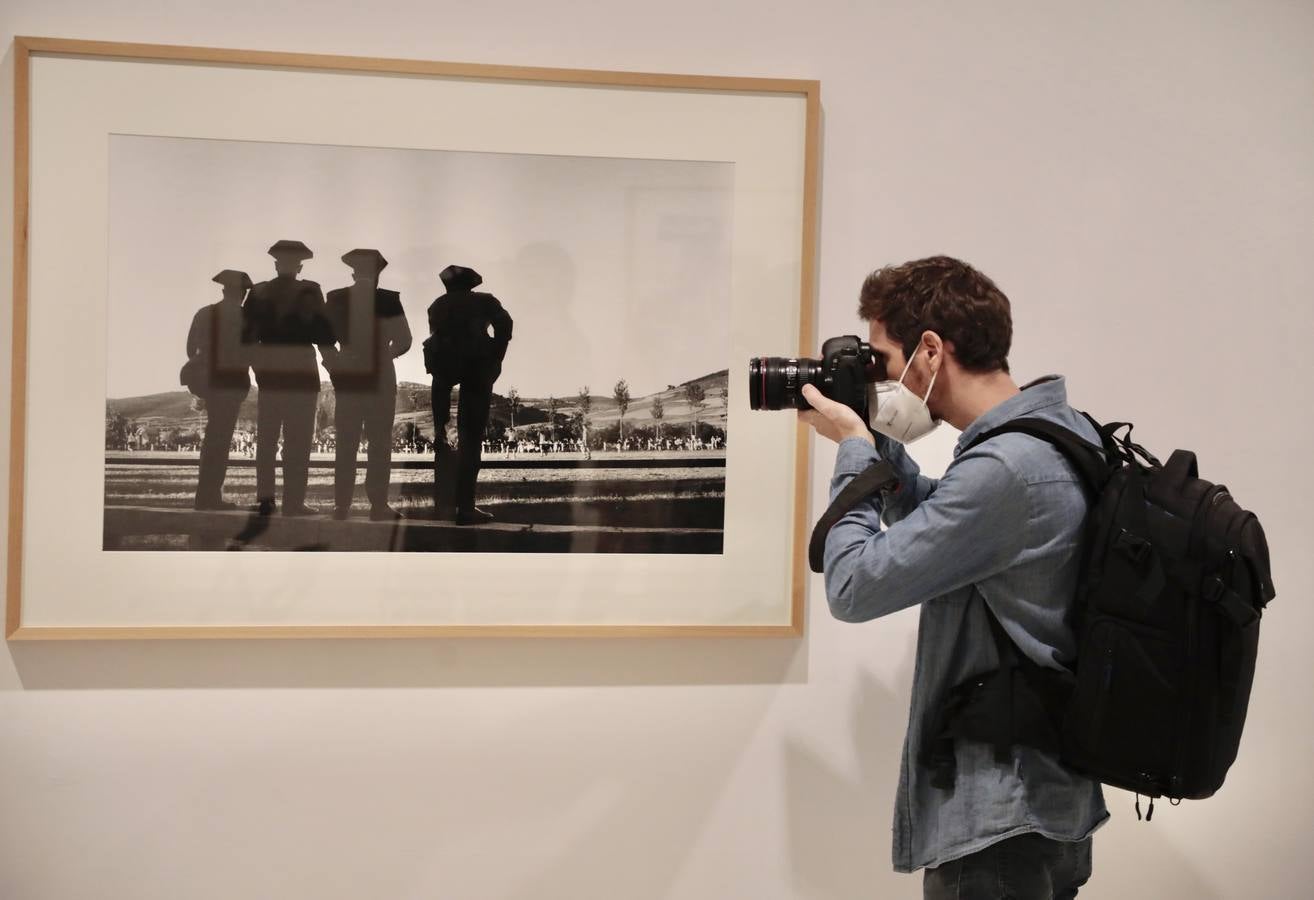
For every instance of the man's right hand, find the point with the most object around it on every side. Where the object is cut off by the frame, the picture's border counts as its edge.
(832, 420)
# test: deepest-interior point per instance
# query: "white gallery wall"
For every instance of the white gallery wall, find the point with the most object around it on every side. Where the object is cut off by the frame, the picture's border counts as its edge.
(1138, 178)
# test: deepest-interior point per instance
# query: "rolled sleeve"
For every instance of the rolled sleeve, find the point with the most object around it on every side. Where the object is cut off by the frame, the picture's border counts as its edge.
(968, 528)
(853, 455)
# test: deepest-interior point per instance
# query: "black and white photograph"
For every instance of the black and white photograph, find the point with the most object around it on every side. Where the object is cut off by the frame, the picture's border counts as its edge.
(406, 349)
(337, 348)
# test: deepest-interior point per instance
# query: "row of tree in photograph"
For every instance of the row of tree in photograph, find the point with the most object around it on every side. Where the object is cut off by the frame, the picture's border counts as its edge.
(680, 417)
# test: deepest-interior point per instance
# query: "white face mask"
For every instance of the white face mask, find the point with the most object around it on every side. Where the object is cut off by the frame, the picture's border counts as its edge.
(897, 412)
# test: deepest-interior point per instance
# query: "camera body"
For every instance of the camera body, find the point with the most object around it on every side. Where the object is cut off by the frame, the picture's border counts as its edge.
(846, 366)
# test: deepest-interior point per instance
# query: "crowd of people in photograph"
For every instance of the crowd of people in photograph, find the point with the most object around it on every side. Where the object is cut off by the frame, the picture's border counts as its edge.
(515, 446)
(243, 443)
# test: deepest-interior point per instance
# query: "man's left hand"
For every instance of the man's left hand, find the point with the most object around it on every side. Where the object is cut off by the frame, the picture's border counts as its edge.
(832, 420)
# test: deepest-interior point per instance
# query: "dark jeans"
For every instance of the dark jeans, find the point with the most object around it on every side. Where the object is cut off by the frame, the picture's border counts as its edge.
(1026, 867)
(371, 412)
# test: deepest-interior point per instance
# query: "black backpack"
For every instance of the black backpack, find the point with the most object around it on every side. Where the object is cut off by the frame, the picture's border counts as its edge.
(1172, 587)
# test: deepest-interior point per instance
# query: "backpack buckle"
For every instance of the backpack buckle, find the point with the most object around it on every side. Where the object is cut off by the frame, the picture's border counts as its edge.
(1228, 602)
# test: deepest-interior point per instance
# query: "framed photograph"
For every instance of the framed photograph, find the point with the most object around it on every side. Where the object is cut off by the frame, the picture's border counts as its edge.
(331, 346)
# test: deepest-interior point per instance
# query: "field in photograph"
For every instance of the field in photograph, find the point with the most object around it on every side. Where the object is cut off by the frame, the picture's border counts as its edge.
(676, 492)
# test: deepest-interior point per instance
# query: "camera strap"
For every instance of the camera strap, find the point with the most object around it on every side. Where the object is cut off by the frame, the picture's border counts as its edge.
(878, 476)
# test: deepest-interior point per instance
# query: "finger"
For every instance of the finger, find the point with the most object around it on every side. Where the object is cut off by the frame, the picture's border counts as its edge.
(835, 412)
(818, 400)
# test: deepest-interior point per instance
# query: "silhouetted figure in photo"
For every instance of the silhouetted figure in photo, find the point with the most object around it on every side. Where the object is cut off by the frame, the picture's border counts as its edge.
(371, 330)
(218, 371)
(468, 336)
(284, 321)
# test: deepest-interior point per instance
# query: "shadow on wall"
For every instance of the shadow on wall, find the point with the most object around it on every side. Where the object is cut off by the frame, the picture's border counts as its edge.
(1141, 859)
(839, 823)
(627, 827)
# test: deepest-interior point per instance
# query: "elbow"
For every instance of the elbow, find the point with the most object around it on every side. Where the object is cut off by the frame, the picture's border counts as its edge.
(859, 591)
(841, 599)
(841, 569)
(844, 611)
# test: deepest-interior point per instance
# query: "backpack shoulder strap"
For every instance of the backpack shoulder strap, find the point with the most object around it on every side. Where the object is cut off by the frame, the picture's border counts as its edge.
(1086, 457)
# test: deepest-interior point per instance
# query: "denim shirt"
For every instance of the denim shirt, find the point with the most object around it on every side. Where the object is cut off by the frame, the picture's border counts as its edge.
(1002, 527)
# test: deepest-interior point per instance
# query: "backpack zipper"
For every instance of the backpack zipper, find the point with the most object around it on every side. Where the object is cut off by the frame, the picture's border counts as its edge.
(1192, 685)
(1192, 667)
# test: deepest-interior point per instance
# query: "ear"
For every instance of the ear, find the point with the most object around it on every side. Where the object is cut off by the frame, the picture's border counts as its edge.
(933, 348)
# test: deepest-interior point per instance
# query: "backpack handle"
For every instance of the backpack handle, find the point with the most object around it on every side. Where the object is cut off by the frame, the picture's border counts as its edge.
(1181, 466)
(1129, 448)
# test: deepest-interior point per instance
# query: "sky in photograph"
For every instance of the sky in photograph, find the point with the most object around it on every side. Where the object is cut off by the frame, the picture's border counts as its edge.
(611, 268)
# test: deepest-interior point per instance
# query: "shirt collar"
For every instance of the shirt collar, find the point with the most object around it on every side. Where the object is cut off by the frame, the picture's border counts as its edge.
(1048, 390)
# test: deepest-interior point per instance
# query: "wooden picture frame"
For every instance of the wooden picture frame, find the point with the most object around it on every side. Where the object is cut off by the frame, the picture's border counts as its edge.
(77, 103)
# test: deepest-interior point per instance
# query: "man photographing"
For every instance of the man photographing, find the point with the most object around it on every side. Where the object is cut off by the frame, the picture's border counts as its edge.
(1000, 534)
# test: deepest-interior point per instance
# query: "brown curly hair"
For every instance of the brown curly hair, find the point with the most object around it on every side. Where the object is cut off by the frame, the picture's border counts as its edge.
(947, 296)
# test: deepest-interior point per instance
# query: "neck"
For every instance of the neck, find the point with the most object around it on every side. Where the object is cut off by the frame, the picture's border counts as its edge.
(977, 395)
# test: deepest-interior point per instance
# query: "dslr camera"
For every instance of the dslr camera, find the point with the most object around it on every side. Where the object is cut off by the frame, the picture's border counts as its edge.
(846, 366)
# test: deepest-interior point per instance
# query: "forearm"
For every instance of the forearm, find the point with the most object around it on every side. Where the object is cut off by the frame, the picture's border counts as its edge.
(852, 533)
(953, 537)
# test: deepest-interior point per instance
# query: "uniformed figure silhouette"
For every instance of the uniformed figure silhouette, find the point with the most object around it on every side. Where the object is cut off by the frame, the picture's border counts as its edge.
(371, 331)
(283, 321)
(461, 350)
(218, 371)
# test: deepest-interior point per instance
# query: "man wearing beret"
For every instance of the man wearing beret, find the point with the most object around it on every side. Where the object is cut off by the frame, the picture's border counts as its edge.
(461, 350)
(371, 330)
(284, 321)
(217, 371)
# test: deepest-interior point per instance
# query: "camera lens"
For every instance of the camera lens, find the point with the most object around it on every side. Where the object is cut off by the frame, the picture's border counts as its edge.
(775, 382)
